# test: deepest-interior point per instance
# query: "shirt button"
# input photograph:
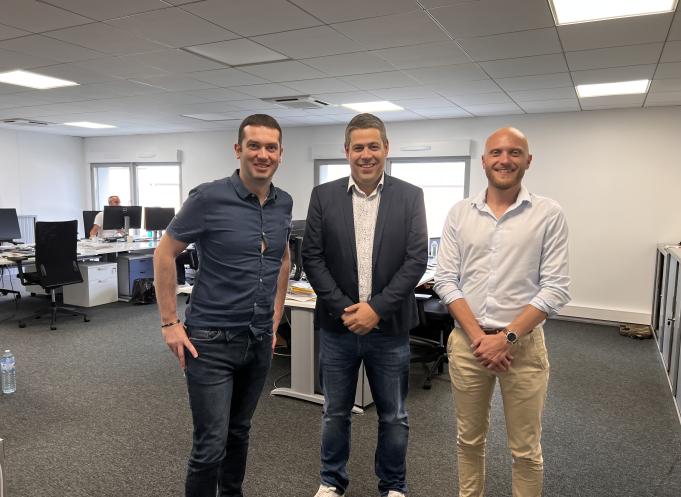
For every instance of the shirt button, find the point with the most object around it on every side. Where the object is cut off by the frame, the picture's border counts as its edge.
(255, 305)
(260, 280)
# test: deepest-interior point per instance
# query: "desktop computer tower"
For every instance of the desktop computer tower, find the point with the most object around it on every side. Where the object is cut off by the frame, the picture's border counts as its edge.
(132, 267)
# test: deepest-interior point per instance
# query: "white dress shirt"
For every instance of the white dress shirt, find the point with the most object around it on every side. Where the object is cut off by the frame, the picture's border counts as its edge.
(501, 265)
(365, 213)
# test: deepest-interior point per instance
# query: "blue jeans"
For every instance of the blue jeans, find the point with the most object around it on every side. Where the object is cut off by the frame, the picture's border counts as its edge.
(224, 384)
(386, 360)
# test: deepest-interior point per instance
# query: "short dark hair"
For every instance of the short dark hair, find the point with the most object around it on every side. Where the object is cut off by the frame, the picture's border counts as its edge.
(365, 121)
(259, 120)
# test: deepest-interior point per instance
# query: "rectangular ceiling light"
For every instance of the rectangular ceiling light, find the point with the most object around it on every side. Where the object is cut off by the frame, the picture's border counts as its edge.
(619, 88)
(382, 106)
(33, 80)
(87, 124)
(576, 11)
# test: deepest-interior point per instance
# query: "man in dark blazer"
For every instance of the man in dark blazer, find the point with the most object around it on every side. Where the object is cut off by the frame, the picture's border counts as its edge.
(364, 251)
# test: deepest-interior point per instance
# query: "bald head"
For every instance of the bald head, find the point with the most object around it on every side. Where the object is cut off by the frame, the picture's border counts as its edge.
(505, 133)
(506, 158)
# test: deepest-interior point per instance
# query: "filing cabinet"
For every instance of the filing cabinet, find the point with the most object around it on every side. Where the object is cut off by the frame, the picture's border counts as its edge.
(99, 286)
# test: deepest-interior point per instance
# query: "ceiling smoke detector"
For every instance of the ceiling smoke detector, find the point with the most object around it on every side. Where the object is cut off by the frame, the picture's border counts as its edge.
(298, 102)
(21, 121)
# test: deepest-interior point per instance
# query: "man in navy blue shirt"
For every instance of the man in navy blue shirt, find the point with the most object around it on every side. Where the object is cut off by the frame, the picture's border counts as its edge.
(239, 226)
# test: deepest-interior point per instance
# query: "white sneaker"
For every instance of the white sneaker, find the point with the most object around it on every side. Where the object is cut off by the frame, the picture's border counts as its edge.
(325, 491)
(395, 493)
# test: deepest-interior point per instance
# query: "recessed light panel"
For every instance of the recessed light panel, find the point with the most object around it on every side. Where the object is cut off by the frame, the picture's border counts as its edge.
(33, 80)
(87, 124)
(575, 11)
(618, 88)
(381, 106)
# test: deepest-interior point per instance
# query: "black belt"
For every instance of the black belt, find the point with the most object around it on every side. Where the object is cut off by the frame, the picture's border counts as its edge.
(492, 331)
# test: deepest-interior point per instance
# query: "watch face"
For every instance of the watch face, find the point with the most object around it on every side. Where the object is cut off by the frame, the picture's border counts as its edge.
(511, 337)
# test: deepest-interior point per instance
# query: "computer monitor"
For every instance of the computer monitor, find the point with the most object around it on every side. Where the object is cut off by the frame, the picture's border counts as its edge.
(158, 218)
(295, 242)
(297, 228)
(9, 225)
(115, 217)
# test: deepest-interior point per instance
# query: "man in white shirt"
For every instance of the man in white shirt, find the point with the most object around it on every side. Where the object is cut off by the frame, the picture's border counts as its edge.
(502, 270)
(99, 221)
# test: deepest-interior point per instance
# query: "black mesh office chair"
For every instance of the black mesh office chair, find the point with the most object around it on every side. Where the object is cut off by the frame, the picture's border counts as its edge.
(89, 221)
(428, 341)
(56, 266)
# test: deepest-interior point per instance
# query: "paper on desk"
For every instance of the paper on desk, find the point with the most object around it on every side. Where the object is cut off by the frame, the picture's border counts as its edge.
(302, 289)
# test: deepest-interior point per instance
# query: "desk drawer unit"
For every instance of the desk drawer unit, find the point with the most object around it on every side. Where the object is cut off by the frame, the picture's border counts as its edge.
(99, 286)
(132, 267)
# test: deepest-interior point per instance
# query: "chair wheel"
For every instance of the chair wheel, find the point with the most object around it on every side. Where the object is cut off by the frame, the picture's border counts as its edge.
(22, 324)
(86, 319)
(427, 385)
(53, 327)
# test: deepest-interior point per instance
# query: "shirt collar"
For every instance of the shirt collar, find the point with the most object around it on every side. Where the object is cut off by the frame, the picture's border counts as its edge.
(243, 192)
(480, 200)
(379, 187)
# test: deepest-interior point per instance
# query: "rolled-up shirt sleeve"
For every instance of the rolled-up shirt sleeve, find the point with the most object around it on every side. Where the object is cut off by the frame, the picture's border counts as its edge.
(448, 273)
(554, 276)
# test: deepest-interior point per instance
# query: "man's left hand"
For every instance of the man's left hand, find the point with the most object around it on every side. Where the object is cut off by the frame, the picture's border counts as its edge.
(493, 351)
(360, 318)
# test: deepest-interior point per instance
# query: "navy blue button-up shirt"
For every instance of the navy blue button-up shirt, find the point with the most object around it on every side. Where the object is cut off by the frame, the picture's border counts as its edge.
(236, 281)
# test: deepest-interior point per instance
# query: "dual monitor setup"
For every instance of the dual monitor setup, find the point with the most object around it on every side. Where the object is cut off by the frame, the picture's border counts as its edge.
(125, 217)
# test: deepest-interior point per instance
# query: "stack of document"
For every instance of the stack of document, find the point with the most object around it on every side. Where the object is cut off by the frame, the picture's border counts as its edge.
(300, 290)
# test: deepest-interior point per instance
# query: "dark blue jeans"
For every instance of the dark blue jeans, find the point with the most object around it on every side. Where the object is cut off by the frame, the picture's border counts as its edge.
(386, 360)
(224, 384)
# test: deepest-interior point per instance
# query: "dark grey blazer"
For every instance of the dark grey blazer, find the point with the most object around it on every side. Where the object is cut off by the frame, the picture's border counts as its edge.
(400, 254)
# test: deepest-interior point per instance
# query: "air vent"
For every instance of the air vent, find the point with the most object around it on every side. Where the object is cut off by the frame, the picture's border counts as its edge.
(298, 102)
(20, 121)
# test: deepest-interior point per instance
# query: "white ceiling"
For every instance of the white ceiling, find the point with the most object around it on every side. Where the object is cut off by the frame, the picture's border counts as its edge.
(143, 65)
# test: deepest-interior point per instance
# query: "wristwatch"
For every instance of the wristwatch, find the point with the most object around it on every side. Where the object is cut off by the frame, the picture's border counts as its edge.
(511, 336)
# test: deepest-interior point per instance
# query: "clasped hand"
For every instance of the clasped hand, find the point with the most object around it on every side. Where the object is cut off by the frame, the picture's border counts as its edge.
(360, 318)
(493, 352)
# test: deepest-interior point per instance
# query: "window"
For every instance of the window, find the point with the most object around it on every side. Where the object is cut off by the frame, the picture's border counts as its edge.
(149, 185)
(444, 181)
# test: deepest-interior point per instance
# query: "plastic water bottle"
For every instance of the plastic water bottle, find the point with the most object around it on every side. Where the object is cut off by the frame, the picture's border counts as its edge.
(9, 372)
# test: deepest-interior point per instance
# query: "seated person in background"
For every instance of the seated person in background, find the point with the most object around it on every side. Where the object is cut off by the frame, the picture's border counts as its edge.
(97, 230)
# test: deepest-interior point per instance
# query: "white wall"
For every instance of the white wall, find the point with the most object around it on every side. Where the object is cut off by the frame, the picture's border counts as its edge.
(614, 172)
(43, 175)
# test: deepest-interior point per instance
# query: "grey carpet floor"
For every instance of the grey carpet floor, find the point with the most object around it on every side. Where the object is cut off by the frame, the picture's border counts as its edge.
(101, 411)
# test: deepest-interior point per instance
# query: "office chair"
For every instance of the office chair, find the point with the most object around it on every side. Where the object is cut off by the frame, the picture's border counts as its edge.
(56, 266)
(434, 319)
(89, 221)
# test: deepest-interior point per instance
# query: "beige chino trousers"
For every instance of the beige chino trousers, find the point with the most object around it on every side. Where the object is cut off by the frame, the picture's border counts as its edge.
(523, 390)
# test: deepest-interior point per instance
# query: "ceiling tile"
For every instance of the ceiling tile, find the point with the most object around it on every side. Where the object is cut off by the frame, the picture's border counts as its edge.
(37, 17)
(174, 83)
(120, 67)
(7, 32)
(322, 85)
(488, 17)
(666, 98)
(237, 52)
(425, 55)
(671, 52)
(447, 74)
(481, 99)
(227, 77)
(391, 79)
(277, 72)
(525, 66)
(423, 103)
(392, 31)
(405, 93)
(466, 88)
(218, 94)
(249, 18)
(174, 61)
(431, 4)
(547, 94)
(536, 82)
(444, 113)
(73, 72)
(539, 106)
(331, 11)
(41, 46)
(13, 60)
(254, 105)
(348, 64)
(106, 9)
(173, 27)
(128, 88)
(104, 38)
(612, 102)
(613, 74)
(493, 109)
(631, 55)
(615, 32)
(400, 115)
(345, 97)
(506, 46)
(663, 85)
(675, 31)
(668, 70)
(312, 42)
(268, 90)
